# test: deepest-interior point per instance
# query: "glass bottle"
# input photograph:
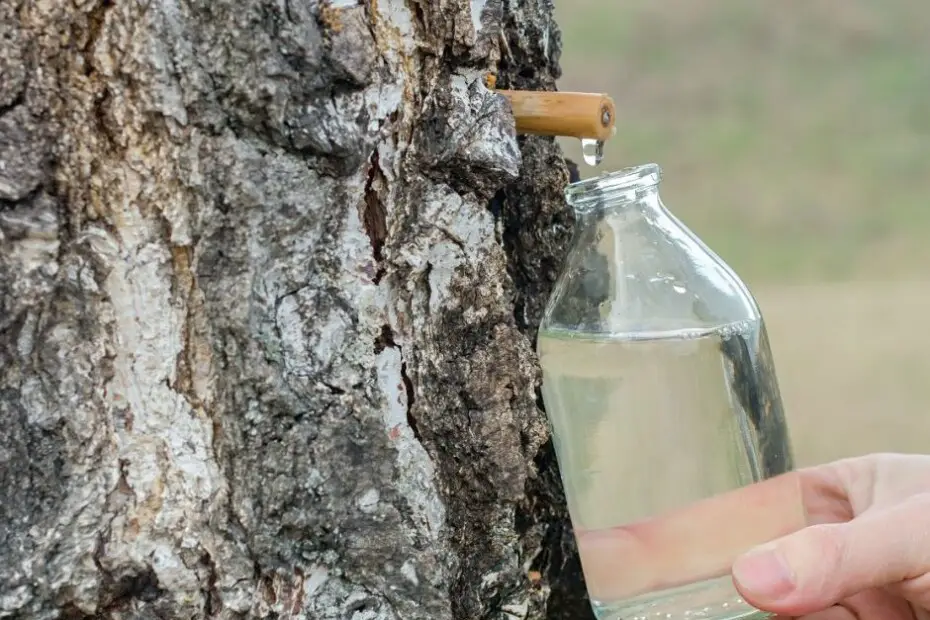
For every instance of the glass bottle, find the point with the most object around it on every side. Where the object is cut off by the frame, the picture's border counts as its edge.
(660, 391)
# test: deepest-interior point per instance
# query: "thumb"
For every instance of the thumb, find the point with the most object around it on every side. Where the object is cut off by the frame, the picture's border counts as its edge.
(816, 567)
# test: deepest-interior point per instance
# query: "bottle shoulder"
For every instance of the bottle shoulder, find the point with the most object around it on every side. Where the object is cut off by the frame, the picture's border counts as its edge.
(634, 273)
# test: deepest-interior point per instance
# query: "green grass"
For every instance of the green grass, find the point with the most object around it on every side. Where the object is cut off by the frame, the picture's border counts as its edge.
(794, 135)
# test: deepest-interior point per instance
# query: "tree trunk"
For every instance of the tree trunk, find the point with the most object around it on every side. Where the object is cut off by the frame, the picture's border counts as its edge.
(270, 272)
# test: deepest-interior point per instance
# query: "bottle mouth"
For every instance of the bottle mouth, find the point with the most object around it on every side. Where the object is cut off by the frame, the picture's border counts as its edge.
(623, 181)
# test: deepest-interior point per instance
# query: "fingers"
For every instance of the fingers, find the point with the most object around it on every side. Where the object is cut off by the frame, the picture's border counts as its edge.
(834, 613)
(818, 566)
(702, 540)
(697, 542)
(917, 591)
(837, 491)
(862, 482)
(868, 605)
(920, 613)
(876, 604)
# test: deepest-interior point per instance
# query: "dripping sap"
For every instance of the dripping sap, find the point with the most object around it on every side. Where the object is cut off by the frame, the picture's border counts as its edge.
(593, 151)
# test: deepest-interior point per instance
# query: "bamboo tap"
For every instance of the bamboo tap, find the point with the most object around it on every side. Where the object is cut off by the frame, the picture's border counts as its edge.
(579, 115)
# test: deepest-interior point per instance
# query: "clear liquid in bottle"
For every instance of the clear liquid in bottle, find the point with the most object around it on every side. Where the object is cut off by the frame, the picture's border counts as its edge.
(646, 425)
(666, 417)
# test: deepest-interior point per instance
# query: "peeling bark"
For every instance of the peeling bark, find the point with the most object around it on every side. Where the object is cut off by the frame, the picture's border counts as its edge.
(269, 279)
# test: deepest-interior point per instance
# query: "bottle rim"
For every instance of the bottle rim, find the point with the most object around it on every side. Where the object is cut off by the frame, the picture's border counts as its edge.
(641, 177)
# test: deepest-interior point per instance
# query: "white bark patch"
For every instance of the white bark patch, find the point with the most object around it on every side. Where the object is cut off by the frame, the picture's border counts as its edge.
(516, 611)
(477, 8)
(480, 141)
(395, 37)
(368, 501)
(396, 16)
(381, 102)
(462, 234)
(164, 445)
(15, 599)
(409, 571)
(445, 258)
(339, 599)
(355, 247)
(416, 472)
(315, 580)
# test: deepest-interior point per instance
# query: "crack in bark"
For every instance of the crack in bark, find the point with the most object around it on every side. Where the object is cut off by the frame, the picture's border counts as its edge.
(18, 99)
(374, 216)
(33, 195)
(185, 284)
(95, 20)
(386, 339)
(411, 397)
(211, 594)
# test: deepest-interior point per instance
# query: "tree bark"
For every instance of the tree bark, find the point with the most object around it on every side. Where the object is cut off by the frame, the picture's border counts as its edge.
(270, 272)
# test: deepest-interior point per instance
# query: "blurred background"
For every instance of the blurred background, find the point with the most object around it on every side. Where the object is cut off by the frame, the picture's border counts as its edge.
(795, 140)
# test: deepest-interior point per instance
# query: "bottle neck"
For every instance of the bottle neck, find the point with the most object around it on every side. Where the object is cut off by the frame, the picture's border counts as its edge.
(631, 189)
(643, 203)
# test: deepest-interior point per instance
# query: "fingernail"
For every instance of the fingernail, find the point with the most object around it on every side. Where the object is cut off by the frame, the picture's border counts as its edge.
(763, 572)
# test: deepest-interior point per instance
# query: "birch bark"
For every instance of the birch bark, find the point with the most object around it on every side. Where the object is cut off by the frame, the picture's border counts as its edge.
(269, 277)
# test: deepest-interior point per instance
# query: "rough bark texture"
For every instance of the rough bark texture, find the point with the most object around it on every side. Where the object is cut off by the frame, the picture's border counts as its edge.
(270, 272)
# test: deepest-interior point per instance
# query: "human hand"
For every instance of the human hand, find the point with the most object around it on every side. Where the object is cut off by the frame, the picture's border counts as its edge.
(866, 551)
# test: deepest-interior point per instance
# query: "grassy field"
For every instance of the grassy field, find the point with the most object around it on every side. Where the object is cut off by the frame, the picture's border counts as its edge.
(795, 139)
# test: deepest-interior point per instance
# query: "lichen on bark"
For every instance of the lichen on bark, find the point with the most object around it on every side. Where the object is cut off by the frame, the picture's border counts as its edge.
(269, 275)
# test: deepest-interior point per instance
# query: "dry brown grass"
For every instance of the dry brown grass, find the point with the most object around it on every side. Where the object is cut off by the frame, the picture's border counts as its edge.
(854, 366)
